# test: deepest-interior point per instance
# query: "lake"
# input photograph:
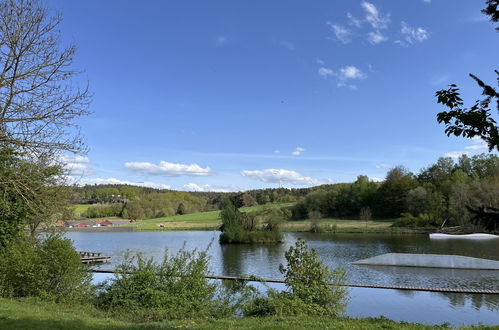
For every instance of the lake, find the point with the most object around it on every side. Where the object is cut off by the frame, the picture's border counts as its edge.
(339, 250)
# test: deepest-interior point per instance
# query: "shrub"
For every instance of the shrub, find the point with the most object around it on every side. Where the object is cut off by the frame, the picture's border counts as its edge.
(48, 268)
(176, 288)
(257, 227)
(314, 289)
(409, 220)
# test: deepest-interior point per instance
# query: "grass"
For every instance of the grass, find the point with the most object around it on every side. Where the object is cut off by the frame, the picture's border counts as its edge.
(80, 208)
(210, 220)
(195, 221)
(34, 314)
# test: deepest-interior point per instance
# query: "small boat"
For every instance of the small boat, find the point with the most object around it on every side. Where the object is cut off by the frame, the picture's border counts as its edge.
(467, 236)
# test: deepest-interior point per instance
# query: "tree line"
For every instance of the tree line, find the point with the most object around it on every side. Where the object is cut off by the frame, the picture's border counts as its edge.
(446, 191)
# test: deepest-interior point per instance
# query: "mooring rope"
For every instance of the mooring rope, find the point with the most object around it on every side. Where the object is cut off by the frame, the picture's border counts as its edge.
(353, 285)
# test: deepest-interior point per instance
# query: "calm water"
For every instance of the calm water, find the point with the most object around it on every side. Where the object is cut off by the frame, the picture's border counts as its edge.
(340, 250)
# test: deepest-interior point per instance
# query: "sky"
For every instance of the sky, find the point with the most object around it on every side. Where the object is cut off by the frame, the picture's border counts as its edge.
(237, 95)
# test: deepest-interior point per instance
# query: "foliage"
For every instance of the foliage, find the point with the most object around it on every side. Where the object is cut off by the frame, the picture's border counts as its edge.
(476, 121)
(48, 268)
(176, 288)
(30, 193)
(256, 227)
(409, 220)
(314, 289)
(104, 210)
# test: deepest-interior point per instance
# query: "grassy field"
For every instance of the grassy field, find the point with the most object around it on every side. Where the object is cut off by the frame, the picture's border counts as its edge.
(80, 208)
(195, 221)
(33, 314)
(211, 221)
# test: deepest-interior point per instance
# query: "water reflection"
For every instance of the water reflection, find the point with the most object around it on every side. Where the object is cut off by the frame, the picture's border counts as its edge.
(341, 250)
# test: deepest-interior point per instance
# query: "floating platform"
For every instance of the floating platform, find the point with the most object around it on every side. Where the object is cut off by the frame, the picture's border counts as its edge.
(463, 236)
(430, 261)
(93, 258)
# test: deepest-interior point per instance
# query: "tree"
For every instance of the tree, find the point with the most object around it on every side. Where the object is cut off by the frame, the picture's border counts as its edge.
(392, 194)
(38, 103)
(477, 120)
(30, 193)
(180, 209)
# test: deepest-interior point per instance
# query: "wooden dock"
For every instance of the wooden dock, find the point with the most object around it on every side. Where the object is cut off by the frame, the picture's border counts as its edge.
(93, 257)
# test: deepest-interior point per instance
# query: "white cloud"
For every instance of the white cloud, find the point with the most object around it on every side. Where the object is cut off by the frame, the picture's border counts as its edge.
(286, 44)
(75, 164)
(325, 72)
(375, 179)
(351, 72)
(354, 20)
(168, 169)
(74, 159)
(320, 62)
(374, 16)
(477, 147)
(383, 165)
(277, 151)
(280, 176)
(207, 187)
(341, 33)
(92, 181)
(376, 37)
(427, 1)
(298, 151)
(412, 35)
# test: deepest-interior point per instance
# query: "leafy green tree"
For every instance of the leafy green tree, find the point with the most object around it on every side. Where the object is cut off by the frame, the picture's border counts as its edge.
(48, 268)
(313, 282)
(30, 193)
(477, 120)
(392, 194)
(180, 209)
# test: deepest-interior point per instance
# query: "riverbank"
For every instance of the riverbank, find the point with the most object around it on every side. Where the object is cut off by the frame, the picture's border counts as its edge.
(35, 314)
(211, 221)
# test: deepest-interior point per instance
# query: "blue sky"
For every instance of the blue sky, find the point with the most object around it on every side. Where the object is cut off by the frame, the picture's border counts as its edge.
(235, 95)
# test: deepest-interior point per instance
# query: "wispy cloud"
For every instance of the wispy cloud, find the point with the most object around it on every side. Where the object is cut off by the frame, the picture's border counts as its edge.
(374, 17)
(477, 147)
(298, 151)
(280, 176)
(383, 165)
(354, 20)
(325, 72)
(92, 181)
(375, 37)
(351, 72)
(76, 164)
(341, 33)
(412, 35)
(168, 169)
(348, 74)
(207, 187)
(344, 76)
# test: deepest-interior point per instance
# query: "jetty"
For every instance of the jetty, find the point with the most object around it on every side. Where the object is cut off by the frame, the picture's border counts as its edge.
(93, 257)
(430, 261)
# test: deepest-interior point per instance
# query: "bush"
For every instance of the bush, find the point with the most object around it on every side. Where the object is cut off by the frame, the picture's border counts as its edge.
(176, 288)
(314, 289)
(408, 220)
(48, 268)
(257, 227)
